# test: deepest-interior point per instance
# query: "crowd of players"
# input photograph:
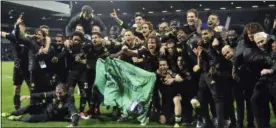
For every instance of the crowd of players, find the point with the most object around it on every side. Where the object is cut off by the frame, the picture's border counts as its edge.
(198, 69)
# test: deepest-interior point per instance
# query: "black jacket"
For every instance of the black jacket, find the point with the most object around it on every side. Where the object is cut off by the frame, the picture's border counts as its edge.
(256, 60)
(62, 63)
(58, 106)
(208, 57)
(19, 51)
(77, 19)
(70, 55)
(150, 62)
(188, 30)
(189, 57)
(34, 57)
(93, 54)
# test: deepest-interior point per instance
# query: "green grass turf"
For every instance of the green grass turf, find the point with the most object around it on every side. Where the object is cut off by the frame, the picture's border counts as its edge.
(7, 106)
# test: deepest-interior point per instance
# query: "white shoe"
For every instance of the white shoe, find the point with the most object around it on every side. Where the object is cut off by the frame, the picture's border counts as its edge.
(198, 124)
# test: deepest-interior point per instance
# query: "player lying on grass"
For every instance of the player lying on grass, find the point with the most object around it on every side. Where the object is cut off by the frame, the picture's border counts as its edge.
(60, 108)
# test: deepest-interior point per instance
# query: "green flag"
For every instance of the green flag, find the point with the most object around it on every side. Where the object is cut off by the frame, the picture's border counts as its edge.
(122, 83)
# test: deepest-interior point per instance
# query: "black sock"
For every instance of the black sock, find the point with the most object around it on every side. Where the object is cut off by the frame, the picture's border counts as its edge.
(16, 101)
(197, 113)
(91, 104)
(89, 100)
(82, 103)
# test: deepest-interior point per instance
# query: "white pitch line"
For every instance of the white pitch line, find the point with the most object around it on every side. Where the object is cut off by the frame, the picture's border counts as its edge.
(5, 76)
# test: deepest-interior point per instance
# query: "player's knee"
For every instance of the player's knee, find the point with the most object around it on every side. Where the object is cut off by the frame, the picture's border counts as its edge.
(162, 119)
(177, 100)
(195, 103)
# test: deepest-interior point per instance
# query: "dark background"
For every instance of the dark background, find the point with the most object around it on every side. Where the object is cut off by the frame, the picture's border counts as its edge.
(34, 17)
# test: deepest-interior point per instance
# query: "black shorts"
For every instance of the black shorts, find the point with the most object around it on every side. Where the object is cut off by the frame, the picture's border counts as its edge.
(19, 75)
(168, 93)
(76, 76)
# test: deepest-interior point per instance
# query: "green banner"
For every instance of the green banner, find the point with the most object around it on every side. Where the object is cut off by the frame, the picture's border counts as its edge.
(122, 83)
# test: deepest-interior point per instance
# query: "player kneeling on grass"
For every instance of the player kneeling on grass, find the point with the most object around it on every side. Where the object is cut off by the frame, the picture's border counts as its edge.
(171, 93)
(61, 108)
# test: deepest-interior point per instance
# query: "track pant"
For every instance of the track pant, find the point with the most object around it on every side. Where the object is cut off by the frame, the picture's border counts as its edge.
(216, 88)
(78, 77)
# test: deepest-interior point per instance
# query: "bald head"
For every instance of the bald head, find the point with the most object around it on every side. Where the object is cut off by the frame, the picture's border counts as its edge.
(227, 52)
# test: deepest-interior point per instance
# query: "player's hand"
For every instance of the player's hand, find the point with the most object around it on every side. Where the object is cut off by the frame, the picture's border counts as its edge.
(169, 81)
(40, 51)
(106, 43)
(4, 34)
(218, 28)
(266, 72)
(138, 41)
(114, 14)
(85, 14)
(135, 60)
(81, 13)
(163, 50)
(23, 98)
(198, 23)
(124, 48)
(77, 59)
(45, 50)
(68, 43)
(19, 20)
(54, 59)
(196, 68)
(215, 43)
(224, 35)
(158, 71)
(195, 50)
(199, 50)
(83, 61)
